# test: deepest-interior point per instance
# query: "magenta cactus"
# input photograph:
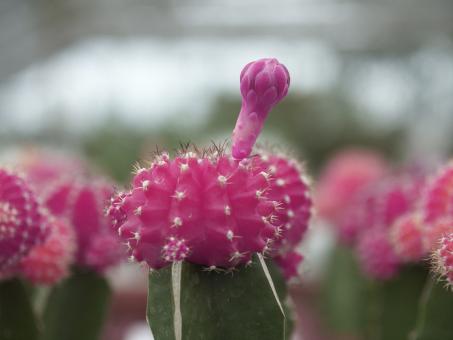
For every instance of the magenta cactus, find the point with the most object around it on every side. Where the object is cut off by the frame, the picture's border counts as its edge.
(443, 259)
(209, 209)
(433, 232)
(50, 262)
(264, 83)
(82, 203)
(21, 226)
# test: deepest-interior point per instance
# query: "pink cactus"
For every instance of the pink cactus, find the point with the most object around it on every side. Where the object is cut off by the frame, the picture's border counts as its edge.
(344, 176)
(376, 255)
(49, 262)
(289, 264)
(443, 259)
(264, 83)
(438, 196)
(212, 210)
(209, 209)
(82, 203)
(21, 226)
(406, 235)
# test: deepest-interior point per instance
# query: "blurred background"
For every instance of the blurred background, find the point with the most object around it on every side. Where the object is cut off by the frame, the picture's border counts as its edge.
(113, 79)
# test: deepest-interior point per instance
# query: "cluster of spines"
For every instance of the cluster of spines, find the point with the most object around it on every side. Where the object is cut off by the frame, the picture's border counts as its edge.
(443, 259)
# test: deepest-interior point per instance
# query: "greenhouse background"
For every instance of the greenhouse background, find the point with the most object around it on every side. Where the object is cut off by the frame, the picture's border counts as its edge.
(116, 79)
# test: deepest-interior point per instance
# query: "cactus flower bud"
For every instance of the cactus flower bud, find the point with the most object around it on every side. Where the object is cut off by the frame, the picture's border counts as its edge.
(264, 83)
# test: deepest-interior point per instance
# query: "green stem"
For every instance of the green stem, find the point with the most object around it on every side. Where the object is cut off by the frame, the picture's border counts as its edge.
(76, 308)
(17, 321)
(220, 306)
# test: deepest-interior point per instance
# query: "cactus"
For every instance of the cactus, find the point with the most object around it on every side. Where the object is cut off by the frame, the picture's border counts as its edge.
(50, 262)
(21, 226)
(206, 212)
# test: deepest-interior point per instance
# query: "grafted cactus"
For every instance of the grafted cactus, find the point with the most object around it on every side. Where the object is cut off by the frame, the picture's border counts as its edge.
(205, 212)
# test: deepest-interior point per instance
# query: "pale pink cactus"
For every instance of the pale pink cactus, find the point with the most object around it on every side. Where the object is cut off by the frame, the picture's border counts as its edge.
(289, 186)
(443, 259)
(207, 208)
(344, 176)
(406, 235)
(376, 255)
(21, 226)
(438, 195)
(264, 83)
(289, 264)
(82, 203)
(50, 262)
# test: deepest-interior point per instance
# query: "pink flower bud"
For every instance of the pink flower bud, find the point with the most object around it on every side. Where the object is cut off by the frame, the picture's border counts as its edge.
(264, 83)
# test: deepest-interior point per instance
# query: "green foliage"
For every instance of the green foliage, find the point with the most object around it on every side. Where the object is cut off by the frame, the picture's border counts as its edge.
(76, 308)
(435, 313)
(17, 321)
(218, 306)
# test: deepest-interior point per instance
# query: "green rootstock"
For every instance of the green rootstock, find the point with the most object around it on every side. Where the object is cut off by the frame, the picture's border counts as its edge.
(77, 307)
(217, 306)
(435, 314)
(17, 320)
(392, 305)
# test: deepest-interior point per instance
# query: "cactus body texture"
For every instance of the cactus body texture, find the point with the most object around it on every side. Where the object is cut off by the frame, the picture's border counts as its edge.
(212, 210)
(50, 262)
(82, 204)
(443, 259)
(21, 226)
(264, 83)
